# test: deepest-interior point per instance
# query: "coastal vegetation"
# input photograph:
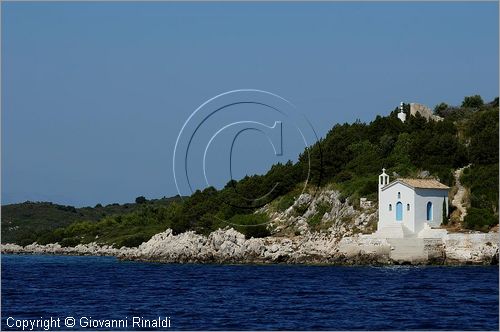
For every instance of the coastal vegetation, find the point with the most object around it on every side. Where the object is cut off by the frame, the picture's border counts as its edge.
(26, 222)
(348, 158)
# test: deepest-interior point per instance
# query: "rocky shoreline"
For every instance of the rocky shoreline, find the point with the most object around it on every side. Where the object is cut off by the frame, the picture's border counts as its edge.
(230, 247)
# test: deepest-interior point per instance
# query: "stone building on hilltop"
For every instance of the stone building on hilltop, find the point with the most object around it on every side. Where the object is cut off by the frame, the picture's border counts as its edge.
(415, 109)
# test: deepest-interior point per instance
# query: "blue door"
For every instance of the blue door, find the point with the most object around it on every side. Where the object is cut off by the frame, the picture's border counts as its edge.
(399, 211)
(429, 210)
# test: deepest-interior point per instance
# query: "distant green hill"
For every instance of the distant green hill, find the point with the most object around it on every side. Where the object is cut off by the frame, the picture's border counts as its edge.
(349, 157)
(24, 222)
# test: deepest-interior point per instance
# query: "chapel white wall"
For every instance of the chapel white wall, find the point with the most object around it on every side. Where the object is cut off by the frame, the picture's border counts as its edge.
(390, 196)
(429, 195)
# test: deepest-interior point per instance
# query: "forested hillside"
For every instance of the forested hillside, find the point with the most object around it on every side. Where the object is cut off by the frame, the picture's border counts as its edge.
(24, 222)
(348, 158)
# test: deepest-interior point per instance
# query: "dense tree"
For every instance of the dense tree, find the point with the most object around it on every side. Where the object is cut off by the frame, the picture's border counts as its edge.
(483, 133)
(473, 101)
(441, 109)
(140, 200)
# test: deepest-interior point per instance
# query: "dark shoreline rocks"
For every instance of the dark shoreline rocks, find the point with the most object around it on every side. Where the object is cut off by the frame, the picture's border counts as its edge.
(230, 247)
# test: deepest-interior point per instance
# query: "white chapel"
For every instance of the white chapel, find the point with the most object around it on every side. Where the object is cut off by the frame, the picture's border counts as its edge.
(410, 207)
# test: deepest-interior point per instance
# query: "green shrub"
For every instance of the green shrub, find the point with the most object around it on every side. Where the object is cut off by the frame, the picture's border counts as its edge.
(134, 240)
(315, 220)
(343, 176)
(49, 237)
(299, 210)
(369, 186)
(321, 209)
(180, 225)
(80, 228)
(480, 219)
(252, 225)
(285, 202)
(206, 224)
(69, 241)
(140, 200)
(440, 109)
(25, 238)
(483, 184)
(473, 101)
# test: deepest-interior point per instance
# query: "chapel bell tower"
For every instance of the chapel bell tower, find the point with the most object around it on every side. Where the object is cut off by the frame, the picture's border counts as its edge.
(383, 180)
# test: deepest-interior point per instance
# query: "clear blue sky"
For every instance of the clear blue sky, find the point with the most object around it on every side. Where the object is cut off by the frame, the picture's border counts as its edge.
(94, 94)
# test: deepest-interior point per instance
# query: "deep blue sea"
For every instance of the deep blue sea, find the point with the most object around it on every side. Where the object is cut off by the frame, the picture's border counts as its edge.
(242, 297)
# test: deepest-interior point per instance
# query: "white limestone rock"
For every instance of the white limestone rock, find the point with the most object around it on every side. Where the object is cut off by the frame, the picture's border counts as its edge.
(473, 248)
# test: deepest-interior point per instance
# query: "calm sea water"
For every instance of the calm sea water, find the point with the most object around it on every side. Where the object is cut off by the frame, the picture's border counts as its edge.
(250, 297)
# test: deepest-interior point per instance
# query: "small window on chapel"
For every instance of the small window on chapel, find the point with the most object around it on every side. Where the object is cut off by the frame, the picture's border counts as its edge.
(399, 195)
(390, 207)
(407, 207)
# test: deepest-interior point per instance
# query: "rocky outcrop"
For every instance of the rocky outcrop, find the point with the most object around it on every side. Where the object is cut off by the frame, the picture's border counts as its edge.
(89, 249)
(423, 111)
(337, 217)
(474, 248)
(230, 246)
